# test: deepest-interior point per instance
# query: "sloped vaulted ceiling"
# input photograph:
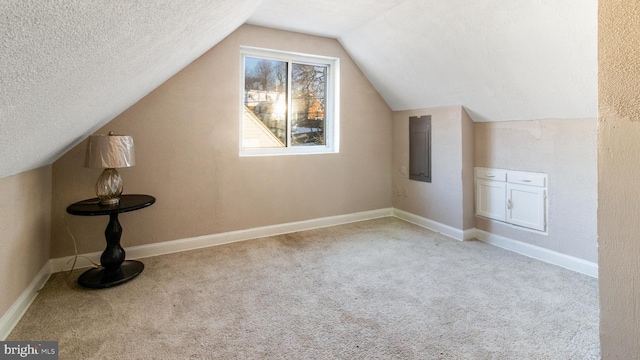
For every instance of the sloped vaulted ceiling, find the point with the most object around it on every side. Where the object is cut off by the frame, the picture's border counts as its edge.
(501, 59)
(68, 67)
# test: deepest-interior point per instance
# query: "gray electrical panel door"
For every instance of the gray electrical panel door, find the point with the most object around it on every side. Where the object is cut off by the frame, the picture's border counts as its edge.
(420, 148)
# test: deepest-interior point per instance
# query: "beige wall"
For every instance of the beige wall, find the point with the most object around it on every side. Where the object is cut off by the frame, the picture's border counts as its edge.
(619, 178)
(186, 138)
(446, 199)
(468, 163)
(25, 220)
(566, 151)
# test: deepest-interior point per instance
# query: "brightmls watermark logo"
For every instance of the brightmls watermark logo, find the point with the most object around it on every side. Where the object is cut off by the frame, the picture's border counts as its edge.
(39, 350)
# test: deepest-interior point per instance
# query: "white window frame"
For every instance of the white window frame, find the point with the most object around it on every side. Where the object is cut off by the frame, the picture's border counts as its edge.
(332, 105)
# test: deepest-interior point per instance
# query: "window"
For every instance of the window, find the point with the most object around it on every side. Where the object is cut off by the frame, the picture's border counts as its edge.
(289, 103)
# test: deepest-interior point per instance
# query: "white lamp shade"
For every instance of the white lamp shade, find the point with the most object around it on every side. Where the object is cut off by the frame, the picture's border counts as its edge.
(110, 151)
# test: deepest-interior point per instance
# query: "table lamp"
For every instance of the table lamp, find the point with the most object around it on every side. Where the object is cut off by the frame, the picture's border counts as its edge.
(109, 152)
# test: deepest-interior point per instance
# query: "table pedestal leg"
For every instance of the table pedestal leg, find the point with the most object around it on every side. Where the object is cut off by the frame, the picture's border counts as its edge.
(114, 269)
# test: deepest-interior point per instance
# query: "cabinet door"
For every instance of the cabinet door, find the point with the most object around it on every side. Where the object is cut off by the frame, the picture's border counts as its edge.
(491, 199)
(526, 206)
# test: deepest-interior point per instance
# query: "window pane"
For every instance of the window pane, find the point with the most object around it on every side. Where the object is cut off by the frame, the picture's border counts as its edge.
(308, 100)
(265, 103)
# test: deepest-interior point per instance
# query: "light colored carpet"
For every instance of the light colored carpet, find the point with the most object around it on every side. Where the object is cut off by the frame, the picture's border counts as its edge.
(375, 289)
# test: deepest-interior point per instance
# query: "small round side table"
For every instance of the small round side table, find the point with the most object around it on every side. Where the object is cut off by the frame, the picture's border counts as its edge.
(114, 269)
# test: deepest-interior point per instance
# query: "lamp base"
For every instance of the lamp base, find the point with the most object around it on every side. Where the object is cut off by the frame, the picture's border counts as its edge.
(113, 201)
(109, 187)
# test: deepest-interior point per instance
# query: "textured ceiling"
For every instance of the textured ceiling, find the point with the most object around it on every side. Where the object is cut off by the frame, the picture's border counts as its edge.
(500, 59)
(67, 67)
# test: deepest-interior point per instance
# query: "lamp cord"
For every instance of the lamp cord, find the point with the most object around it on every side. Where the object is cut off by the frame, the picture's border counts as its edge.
(75, 249)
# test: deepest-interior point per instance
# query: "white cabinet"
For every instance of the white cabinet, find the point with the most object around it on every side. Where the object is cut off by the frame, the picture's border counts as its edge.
(515, 197)
(526, 206)
(491, 199)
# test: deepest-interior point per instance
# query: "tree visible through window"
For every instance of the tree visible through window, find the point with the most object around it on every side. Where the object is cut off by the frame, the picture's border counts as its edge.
(308, 101)
(287, 102)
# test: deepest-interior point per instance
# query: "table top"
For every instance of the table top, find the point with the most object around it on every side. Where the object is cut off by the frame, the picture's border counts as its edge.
(91, 207)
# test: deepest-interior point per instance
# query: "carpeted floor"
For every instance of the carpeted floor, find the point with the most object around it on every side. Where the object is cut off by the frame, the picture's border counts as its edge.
(376, 289)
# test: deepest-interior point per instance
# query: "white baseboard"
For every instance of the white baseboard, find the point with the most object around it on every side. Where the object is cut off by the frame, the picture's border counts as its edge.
(568, 262)
(552, 257)
(17, 310)
(469, 234)
(446, 230)
(11, 318)
(168, 247)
